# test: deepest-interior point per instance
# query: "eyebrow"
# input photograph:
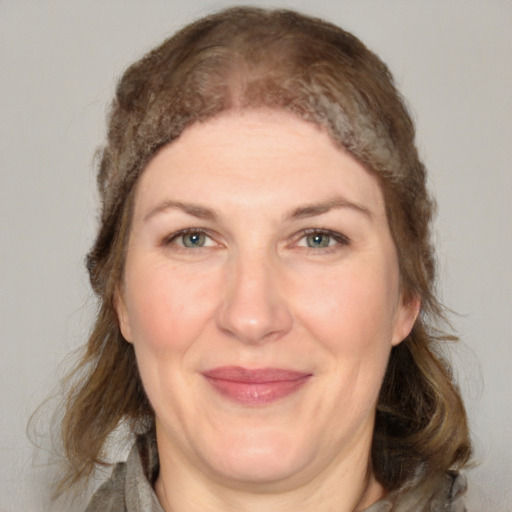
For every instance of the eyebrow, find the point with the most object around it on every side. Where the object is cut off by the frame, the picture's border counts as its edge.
(302, 212)
(192, 209)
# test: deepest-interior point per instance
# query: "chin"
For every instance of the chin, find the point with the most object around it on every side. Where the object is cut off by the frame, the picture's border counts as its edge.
(256, 458)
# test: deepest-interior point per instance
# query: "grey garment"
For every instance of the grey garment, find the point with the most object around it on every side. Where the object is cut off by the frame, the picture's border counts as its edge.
(445, 494)
(130, 488)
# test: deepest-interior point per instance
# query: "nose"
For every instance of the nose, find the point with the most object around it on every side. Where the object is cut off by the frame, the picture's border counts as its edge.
(254, 308)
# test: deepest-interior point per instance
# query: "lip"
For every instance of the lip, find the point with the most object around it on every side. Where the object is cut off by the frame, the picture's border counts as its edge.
(259, 386)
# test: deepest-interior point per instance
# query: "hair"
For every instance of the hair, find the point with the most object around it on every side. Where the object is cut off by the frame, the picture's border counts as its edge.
(249, 58)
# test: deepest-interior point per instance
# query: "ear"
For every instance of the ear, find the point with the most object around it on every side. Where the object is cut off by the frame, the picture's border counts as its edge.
(405, 316)
(122, 316)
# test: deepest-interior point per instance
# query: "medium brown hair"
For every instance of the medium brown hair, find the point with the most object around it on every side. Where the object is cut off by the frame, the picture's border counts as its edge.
(246, 58)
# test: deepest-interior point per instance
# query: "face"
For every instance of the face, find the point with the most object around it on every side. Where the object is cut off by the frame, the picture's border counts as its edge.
(261, 294)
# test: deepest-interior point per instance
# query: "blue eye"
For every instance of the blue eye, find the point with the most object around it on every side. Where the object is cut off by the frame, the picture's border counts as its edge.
(322, 239)
(190, 239)
(318, 240)
(195, 239)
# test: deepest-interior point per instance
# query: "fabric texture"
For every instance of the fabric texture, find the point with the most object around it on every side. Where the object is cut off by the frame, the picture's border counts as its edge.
(130, 488)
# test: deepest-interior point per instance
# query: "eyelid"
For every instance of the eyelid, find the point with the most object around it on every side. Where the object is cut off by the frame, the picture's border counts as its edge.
(169, 239)
(340, 238)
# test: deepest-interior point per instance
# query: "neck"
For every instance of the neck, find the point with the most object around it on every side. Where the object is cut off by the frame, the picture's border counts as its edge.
(346, 485)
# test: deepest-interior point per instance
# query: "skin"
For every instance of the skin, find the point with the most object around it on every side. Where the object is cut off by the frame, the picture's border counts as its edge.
(259, 291)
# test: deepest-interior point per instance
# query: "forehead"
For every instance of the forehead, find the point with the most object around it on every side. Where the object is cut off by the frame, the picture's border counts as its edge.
(267, 159)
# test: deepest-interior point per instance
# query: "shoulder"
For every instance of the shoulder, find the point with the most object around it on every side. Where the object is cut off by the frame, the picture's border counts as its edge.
(445, 493)
(130, 487)
(110, 497)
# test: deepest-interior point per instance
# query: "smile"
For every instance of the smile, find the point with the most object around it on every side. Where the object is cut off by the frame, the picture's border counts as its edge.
(255, 386)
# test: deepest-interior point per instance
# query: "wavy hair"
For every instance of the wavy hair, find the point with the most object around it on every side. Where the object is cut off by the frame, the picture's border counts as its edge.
(247, 58)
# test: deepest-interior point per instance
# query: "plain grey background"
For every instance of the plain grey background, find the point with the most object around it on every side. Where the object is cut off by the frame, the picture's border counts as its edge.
(59, 60)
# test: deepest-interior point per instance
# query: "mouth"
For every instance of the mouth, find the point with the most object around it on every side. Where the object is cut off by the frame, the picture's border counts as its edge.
(259, 386)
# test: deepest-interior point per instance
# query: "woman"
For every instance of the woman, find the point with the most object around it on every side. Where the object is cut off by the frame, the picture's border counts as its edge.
(267, 322)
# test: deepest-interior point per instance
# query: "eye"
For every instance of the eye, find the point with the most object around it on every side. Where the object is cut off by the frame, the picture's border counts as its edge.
(322, 239)
(190, 239)
(318, 240)
(193, 239)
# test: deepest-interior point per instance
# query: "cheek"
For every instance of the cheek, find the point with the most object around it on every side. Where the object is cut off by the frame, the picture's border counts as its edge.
(349, 317)
(167, 308)
(351, 310)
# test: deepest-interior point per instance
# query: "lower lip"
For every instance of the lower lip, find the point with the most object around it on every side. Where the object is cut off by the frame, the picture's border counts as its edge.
(256, 393)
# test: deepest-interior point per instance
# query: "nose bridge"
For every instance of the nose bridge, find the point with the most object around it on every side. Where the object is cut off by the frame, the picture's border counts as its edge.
(253, 306)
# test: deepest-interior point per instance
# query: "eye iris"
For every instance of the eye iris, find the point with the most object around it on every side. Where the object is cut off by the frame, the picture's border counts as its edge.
(318, 240)
(194, 240)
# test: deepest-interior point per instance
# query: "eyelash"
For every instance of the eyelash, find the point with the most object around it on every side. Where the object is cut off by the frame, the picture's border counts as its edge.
(340, 239)
(188, 231)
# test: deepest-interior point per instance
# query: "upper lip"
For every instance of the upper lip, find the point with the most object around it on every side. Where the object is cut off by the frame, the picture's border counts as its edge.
(254, 375)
